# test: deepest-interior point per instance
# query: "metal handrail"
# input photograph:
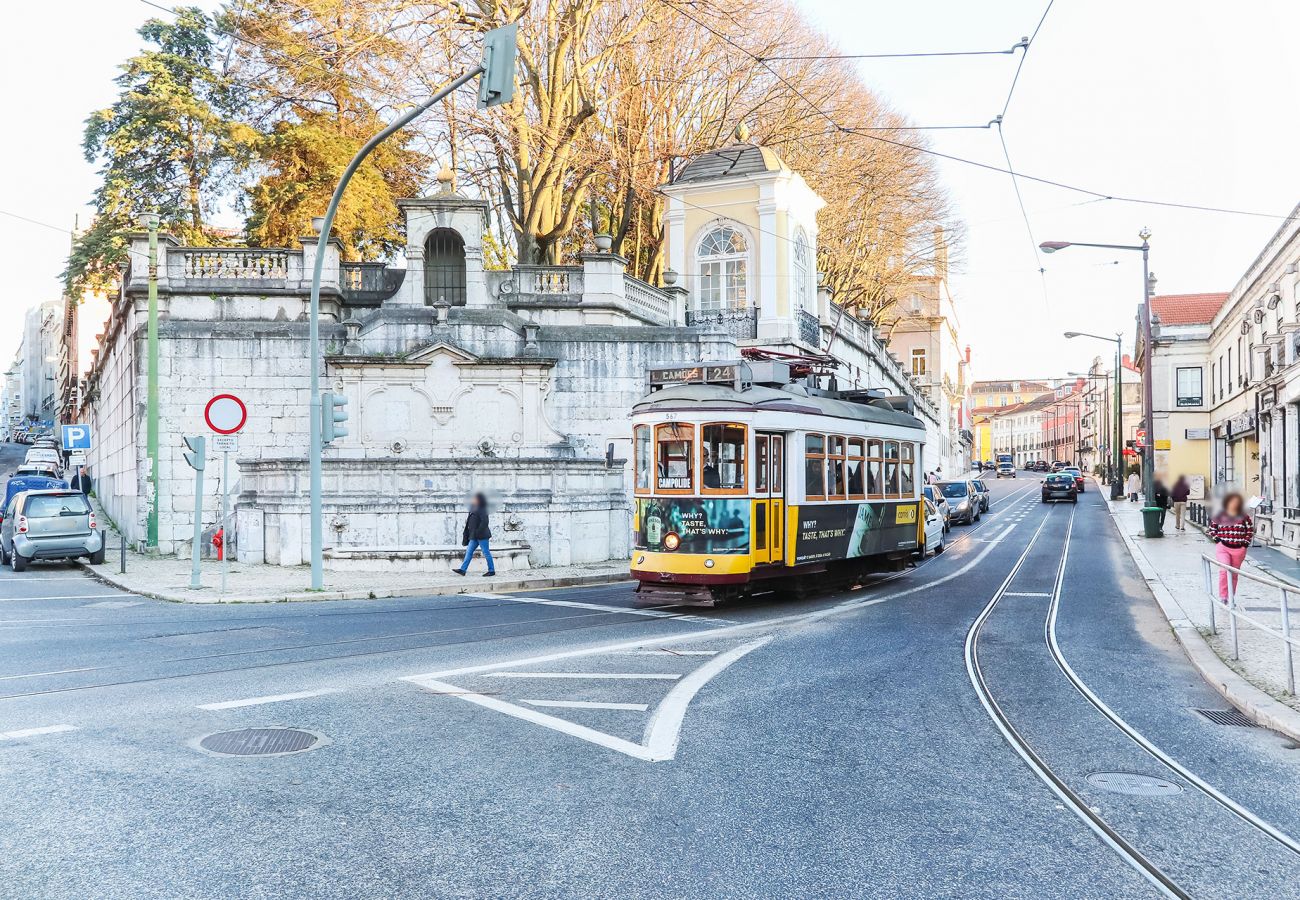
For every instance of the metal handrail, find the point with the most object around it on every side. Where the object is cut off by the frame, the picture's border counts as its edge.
(1234, 613)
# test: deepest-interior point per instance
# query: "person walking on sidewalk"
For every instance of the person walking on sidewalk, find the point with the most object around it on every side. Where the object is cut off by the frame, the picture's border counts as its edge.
(1178, 496)
(1161, 495)
(82, 481)
(476, 536)
(1132, 486)
(1232, 531)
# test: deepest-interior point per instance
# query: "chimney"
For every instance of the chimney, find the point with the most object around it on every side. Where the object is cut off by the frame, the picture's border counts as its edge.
(968, 354)
(940, 254)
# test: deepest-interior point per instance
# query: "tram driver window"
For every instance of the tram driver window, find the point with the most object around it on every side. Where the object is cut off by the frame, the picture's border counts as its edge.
(723, 464)
(675, 445)
(856, 467)
(641, 457)
(815, 467)
(891, 470)
(875, 462)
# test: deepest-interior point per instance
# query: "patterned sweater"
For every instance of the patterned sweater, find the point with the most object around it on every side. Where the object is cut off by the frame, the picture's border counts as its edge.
(1232, 532)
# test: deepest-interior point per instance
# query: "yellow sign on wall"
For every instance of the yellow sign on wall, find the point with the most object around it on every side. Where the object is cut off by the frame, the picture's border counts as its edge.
(1162, 445)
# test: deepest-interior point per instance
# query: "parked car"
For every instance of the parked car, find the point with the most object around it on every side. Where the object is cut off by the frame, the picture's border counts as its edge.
(1078, 476)
(935, 528)
(941, 502)
(49, 524)
(986, 498)
(28, 482)
(43, 454)
(46, 469)
(962, 498)
(1060, 486)
(1058, 465)
(1042, 466)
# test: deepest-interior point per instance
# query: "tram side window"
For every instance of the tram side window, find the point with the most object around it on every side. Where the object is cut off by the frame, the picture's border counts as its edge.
(875, 466)
(675, 447)
(815, 467)
(835, 468)
(761, 464)
(891, 470)
(909, 472)
(724, 457)
(856, 469)
(641, 456)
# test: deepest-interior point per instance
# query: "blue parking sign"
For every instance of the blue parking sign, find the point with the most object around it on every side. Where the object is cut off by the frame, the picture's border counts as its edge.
(76, 437)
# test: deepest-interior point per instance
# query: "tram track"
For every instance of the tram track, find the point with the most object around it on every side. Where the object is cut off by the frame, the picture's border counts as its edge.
(858, 598)
(1109, 835)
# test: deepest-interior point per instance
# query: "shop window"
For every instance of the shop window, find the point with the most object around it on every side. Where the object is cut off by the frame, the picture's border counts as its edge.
(722, 467)
(835, 468)
(815, 467)
(641, 457)
(875, 470)
(675, 445)
(892, 470)
(857, 466)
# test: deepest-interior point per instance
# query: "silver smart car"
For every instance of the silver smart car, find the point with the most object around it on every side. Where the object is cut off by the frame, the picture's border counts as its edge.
(49, 524)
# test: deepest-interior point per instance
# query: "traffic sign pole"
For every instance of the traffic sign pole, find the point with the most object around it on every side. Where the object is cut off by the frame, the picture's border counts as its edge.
(225, 493)
(226, 415)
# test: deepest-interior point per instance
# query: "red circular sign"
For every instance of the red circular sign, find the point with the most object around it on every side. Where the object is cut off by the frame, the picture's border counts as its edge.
(225, 414)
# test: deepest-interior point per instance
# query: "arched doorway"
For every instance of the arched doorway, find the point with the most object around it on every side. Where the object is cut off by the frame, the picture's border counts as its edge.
(444, 268)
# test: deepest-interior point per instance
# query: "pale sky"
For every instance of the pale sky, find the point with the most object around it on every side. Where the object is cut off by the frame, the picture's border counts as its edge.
(1191, 101)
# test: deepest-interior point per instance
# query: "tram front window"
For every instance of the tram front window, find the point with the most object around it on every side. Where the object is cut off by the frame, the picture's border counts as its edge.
(723, 465)
(674, 448)
(641, 453)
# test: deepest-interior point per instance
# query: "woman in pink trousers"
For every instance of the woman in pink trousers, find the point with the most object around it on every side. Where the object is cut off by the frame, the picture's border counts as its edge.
(1232, 531)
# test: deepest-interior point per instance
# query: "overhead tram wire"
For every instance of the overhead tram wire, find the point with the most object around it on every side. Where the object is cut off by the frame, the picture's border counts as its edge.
(1100, 195)
(1019, 45)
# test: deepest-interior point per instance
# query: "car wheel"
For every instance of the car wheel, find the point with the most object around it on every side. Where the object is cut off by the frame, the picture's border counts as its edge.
(97, 558)
(18, 562)
(940, 548)
(1074, 499)
(1044, 499)
(4, 557)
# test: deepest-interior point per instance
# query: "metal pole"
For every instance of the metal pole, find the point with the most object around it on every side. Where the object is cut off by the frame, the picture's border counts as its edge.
(1286, 643)
(313, 333)
(198, 528)
(1208, 571)
(1148, 403)
(122, 565)
(151, 426)
(225, 538)
(1232, 607)
(1117, 398)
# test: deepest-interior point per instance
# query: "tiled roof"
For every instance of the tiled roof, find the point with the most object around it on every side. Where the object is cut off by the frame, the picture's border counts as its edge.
(1187, 309)
(738, 159)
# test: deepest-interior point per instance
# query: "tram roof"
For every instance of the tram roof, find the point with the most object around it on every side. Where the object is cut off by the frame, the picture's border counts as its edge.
(758, 397)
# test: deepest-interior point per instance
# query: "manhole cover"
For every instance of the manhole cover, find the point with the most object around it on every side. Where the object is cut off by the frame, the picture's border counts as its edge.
(1133, 784)
(261, 742)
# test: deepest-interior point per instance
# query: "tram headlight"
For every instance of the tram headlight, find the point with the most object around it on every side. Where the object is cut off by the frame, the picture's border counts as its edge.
(708, 564)
(672, 541)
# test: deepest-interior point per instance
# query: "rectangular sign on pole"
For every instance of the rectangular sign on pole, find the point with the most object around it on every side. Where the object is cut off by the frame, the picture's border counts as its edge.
(225, 443)
(77, 437)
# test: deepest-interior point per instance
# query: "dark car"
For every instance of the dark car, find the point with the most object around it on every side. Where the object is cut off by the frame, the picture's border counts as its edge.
(1060, 486)
(1078, 476)
(1042, 466)
(963, 499)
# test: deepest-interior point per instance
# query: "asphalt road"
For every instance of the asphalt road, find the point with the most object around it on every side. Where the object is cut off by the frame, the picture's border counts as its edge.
(566, 744)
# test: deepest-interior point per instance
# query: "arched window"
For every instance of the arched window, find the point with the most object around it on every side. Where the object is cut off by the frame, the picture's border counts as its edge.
(444, 268)
(802, 271)
(722, 260)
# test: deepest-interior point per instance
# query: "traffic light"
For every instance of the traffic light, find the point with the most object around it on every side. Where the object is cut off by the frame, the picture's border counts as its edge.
(332, 416)
(196, 452)
(497, 83)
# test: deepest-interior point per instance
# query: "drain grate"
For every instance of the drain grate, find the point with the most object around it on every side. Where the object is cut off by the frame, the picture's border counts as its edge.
(261, 742)
(1227, 717)
(1133, 784)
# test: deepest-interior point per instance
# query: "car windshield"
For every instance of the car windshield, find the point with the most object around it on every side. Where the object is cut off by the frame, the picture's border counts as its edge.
(1072, 470)
(1060, 478)
(48, 506)
(953, 490)
(928, 491)
(979, 485)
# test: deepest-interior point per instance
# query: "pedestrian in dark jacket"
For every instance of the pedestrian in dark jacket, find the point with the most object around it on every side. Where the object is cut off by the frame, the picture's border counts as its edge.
(1161, 495)
(82, 482)
(1232, 531)
(1178, 496)
(476, 536)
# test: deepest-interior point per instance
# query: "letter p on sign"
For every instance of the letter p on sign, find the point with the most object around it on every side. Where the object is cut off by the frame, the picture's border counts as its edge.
(76, 437)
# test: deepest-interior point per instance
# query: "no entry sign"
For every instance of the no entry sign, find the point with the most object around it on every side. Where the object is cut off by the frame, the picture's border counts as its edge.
(225, 414)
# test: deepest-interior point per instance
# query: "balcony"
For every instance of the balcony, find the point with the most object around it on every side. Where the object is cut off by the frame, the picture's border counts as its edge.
(742, 324)
(217, 267)
(369, 284)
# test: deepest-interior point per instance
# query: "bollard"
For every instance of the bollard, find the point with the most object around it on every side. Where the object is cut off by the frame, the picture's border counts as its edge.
(121, 569)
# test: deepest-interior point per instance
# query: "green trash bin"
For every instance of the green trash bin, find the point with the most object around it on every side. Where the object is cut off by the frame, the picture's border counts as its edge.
(1151, 521)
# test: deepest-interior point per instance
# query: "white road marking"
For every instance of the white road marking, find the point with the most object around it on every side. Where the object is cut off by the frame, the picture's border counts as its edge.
(35, 732)
(648, 676)
(272, 698)
(600, 607)
(588, 704)
(113, 604)
(69, 597)
(664, 651)
(1025, 594)
(662, 731)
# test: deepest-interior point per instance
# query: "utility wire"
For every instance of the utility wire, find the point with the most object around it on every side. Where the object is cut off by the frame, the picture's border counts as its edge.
(1022, 44)
(1020, 65)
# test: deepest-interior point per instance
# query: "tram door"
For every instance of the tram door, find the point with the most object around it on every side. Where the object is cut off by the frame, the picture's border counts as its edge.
(769, 502)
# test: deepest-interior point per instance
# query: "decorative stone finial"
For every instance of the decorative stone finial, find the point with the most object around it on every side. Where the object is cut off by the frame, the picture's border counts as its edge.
(447, 180)
(742, 133)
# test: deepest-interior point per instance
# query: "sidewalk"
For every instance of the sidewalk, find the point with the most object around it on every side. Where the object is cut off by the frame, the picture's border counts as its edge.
(1256, 682)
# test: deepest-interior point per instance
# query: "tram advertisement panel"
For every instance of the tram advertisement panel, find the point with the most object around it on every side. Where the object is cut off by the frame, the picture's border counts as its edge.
(713, 525)
(847, 530)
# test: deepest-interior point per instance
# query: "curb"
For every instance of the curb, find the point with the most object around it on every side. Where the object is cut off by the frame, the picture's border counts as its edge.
(1254, 703)
(499, 586)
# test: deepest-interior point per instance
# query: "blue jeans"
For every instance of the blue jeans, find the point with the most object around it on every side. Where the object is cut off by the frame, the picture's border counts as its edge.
(469, 555)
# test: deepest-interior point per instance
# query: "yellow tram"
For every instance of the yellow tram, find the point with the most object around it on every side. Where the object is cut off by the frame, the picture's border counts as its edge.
(743, 480)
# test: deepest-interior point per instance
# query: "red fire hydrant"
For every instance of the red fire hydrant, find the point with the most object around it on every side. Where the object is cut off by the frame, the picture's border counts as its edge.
(218, 541)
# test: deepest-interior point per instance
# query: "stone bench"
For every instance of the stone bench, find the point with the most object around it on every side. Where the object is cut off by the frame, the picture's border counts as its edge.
(508, 557)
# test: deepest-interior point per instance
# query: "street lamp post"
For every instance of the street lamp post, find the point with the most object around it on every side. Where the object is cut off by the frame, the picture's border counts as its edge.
(1117, 408)
(1103, 411)
(151, 414)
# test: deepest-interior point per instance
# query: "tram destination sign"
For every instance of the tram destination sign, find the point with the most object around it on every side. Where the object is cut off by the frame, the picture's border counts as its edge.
(695, 375)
